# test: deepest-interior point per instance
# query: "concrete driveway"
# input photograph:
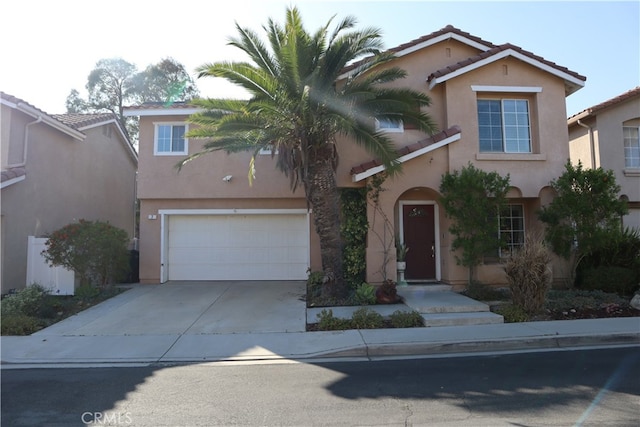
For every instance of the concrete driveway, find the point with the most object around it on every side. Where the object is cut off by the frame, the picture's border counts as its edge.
(193, 308)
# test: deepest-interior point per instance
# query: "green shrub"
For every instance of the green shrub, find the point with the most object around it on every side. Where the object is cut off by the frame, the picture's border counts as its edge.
(96, 251)
(614, 249)
(30, 301)
(86, 292)
(327, 322)
(365, 294)
(406, 319)
(528, 274)
(365, 318)
(613, 279)
(19, 324)
(512, 313)
(482, 292)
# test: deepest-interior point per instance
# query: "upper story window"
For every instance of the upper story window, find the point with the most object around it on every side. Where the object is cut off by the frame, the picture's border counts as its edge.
(170, 139)
(631, 146)
(387, 125)
(504, 126)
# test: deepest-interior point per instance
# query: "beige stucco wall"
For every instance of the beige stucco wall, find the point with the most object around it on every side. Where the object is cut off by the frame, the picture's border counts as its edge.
(453, 103)
(66, 180)
(158, 177)
(608, 141)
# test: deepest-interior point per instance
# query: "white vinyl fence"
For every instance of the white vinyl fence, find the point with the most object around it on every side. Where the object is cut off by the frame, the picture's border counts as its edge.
(58, 279)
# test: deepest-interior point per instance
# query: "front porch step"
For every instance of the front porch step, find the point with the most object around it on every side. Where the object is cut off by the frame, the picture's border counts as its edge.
(424, 301)
(461, 319)
(426, 287)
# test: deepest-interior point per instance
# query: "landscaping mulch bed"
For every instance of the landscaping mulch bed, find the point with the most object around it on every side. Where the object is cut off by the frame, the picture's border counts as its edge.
(589, 313)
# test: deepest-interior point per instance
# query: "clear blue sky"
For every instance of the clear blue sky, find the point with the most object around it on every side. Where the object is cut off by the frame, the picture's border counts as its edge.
(49, 47)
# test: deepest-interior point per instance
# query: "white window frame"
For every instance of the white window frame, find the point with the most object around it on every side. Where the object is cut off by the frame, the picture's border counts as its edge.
(394, 127)
(156, 127)
(502, 253)
(502, 119)
(627, 159)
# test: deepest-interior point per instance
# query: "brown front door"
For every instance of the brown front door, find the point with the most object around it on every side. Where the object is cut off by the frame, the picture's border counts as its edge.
(420, 238)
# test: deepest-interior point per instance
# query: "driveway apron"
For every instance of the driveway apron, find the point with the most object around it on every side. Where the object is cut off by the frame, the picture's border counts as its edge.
(186, 308)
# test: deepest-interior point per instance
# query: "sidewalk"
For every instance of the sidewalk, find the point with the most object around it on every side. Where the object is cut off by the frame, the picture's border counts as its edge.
(45, 350)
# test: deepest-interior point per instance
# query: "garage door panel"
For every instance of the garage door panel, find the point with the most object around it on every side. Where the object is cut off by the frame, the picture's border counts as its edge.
(238, 247)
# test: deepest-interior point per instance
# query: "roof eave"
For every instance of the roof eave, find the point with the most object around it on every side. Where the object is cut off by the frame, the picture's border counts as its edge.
(430, 42)
(572, 84)
(377, 169)
(142, 112)
(56, 124)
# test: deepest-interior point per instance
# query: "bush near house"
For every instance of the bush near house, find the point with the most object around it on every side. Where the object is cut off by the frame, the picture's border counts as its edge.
(366, 318)
(529, 275)
(613, 265)
(96, 251)
(34, 308)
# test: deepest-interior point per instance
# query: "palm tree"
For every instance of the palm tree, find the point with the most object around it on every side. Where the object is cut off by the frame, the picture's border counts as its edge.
(300, 102)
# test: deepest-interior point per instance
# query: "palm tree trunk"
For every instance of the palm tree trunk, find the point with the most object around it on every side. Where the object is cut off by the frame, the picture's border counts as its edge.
(322, 194)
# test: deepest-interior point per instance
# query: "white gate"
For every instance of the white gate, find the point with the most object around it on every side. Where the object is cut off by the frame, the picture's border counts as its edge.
(58, 279)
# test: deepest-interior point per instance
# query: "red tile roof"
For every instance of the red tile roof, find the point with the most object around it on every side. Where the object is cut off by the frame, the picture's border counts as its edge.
(15, 100)
(79, 121)
(606, 104)
(496, 50)
(409, 149)
(449, 29)
(160, 106)
(12, 173)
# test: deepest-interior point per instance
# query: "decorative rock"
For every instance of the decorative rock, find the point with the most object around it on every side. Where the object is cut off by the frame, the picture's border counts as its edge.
(635, 302)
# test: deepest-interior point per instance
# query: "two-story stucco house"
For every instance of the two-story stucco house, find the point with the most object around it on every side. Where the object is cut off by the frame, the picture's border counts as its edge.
(497, 106)
(606, 135)
(57, 169)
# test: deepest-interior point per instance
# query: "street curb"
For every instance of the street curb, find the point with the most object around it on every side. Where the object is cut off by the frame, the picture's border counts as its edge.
(497, 345)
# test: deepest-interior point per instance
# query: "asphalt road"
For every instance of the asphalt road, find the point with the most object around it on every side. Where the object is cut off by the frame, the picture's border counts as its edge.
(563, 388)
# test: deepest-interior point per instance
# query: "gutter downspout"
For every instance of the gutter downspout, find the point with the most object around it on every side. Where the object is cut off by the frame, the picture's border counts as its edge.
(592, 144)
(24, 145)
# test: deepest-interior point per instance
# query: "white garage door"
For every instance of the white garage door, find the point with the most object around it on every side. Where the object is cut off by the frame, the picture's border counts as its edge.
(238, 247)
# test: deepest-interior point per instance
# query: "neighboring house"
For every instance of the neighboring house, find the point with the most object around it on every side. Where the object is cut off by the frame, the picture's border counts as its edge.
(499, 107)
(606, 136)
(57, 169)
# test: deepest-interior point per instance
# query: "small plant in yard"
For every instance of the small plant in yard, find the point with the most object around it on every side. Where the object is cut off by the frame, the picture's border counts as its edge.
(20, 324)
(406, 319)
(29, 301)
(328, 322)
(528, 274)
(34, 308)
(96, 251)
(512, 313)
(87, 292)
(365, 294)
(387, 293)
(365, 318)
(401, 251)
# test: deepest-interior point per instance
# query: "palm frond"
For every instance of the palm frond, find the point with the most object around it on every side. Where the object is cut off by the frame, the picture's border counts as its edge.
(253, 79)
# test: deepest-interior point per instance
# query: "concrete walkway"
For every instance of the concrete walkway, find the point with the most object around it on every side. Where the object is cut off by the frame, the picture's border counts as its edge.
(207, 322)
